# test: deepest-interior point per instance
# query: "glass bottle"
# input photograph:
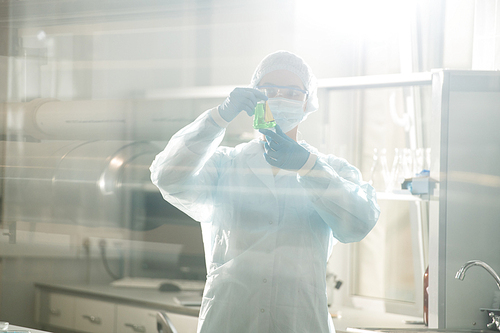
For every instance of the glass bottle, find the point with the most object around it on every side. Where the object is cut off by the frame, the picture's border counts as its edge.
(426, 297)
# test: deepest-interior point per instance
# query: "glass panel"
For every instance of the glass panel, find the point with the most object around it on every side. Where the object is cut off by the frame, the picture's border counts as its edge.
(384, 259)
(385, 131)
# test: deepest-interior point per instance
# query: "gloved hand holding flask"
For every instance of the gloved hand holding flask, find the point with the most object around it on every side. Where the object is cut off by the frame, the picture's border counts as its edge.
(240, 99)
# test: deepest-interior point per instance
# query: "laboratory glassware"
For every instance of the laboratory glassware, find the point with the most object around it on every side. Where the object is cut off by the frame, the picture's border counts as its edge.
(263, 118)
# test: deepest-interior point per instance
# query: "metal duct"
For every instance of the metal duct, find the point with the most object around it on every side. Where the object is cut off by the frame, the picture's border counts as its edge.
(135, 120)
(74, 182)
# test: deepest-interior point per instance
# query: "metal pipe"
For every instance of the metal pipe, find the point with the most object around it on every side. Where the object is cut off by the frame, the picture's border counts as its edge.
(74, 182)
(461, 272)
(128, 120)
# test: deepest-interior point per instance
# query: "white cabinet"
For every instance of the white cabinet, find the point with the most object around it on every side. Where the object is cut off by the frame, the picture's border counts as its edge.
(60, 310)
(96, 313)
(131, 319)
(183, 323)
(94, 316)
(135, 320)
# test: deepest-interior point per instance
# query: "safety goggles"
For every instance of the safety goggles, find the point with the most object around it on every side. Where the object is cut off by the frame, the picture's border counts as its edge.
(285, 92)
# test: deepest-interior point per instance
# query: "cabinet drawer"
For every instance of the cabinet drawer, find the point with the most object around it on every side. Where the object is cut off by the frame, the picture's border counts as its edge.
(94, 316)
(183, 323)
(60, 310)
(130, 319)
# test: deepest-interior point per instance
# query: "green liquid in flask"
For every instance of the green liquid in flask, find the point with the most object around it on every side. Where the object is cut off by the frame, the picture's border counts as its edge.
(263, 118)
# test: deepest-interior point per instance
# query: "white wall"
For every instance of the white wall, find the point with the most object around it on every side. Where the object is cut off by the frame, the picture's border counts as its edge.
(486, 47)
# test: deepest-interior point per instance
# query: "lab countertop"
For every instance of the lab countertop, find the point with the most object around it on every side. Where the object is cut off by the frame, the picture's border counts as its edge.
(169, 301)
(345, 318)
(145, 297)
(14, 328)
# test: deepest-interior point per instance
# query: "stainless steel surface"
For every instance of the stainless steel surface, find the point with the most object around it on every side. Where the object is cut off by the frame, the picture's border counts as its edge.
(464, 119)
(461, 272)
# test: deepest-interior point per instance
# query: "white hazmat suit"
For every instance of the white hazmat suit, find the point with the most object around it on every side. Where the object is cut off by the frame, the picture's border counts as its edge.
(267, 238)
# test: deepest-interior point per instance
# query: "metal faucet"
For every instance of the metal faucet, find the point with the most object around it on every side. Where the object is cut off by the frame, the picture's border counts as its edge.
(493, 314)
(461, 272)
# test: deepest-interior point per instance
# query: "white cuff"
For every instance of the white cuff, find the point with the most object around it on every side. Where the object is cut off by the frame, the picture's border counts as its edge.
(308, 165)
(218, 118)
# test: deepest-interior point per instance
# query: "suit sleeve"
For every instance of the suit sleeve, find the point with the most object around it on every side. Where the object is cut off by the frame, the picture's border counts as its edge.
(186, 171)
(343, 200)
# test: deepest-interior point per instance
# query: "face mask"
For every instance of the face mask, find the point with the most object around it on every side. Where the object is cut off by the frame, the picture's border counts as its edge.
(288, 113)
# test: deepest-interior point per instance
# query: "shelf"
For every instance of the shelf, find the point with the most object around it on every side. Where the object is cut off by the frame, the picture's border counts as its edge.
(376, 81)
(337, 83)
(401, 195)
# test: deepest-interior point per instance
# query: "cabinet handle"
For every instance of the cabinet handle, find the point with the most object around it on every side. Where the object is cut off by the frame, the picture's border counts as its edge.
(55, 312)
(136, 328)
(93, 319)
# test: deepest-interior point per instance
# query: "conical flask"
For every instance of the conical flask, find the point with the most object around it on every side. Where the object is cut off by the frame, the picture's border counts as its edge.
(263, 118)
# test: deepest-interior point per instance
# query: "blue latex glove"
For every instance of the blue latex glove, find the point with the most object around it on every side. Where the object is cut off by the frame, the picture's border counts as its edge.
(283, 152)
(240, 99)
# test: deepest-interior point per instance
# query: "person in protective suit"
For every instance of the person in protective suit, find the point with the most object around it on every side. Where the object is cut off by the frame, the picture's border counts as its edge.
(270, 209)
